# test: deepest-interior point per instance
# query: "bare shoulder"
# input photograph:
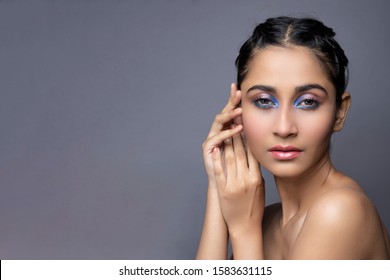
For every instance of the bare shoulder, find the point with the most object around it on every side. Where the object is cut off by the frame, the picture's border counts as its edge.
(343, 223)
(345, 201)
(345, 204)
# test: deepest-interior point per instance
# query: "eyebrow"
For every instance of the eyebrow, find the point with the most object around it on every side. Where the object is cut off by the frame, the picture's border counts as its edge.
(263, 88)
(299, 89)
(309, 87)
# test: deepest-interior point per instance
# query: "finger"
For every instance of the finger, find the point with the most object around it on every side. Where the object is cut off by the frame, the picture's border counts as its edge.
(238, 120)
(222, 119)
(239, 151)
(229, 159)
(217, 139)
(253, 164)
(219, 172)
(233, 89)
(233, 102)
(234, 99)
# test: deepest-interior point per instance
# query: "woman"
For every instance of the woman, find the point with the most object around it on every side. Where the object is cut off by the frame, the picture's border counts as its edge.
(289, 99)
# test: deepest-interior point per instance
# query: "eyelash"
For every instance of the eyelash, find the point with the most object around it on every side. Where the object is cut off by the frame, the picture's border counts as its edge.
(314, 103)
(260, 102)
(269, 102)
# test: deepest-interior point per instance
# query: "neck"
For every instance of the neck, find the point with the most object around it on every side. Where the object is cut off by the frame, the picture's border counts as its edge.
(297, 193)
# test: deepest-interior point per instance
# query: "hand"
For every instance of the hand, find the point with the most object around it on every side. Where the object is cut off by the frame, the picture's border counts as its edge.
(240, 186)
(221, 130)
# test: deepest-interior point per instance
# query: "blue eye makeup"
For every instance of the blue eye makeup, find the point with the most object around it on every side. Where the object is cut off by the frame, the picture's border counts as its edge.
(306, 102)
(266, 101)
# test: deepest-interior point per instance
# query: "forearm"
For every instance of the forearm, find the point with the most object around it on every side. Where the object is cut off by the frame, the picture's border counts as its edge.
(247, 243)
(214, 240)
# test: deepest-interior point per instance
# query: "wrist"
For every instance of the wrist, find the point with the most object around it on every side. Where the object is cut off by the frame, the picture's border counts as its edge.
(247, 243)
(212, 183)
(245, 231)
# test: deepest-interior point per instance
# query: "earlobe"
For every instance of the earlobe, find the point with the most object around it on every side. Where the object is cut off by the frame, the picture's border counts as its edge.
(342, 112)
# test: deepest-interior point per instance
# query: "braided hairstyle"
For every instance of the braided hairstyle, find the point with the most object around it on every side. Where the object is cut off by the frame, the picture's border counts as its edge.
(305, 32)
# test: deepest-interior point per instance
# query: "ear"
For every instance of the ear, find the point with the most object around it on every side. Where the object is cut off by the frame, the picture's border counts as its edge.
(342, 112)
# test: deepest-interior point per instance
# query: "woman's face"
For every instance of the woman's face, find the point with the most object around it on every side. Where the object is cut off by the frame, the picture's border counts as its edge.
(289, 109)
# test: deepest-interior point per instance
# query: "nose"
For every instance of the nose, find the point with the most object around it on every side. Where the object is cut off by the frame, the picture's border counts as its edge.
(285, 125)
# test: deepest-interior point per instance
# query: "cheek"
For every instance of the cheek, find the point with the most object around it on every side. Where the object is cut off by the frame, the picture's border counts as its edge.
(256, 126)
(317, 129)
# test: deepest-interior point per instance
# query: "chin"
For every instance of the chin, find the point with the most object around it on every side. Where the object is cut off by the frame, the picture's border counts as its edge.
(285, 170)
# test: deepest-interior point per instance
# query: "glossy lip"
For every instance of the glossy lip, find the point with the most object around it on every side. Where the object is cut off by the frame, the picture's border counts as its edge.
(285, 152)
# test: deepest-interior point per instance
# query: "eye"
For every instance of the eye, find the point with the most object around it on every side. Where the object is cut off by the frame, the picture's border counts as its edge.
(306, 103)
(266, 102)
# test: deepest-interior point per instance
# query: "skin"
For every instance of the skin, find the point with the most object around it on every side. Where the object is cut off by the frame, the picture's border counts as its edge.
(323, 214)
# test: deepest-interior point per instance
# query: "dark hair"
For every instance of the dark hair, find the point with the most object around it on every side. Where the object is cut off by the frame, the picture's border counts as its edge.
(305, 32)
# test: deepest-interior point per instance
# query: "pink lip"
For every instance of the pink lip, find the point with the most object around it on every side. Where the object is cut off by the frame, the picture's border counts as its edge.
(285, 152)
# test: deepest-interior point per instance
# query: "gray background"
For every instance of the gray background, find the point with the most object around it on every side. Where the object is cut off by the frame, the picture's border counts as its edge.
(104, 106)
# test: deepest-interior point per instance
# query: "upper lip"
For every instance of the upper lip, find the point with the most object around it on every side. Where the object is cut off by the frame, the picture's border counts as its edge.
(281, 148)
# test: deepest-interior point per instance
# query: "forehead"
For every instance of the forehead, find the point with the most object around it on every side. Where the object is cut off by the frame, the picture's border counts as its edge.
(285, 67)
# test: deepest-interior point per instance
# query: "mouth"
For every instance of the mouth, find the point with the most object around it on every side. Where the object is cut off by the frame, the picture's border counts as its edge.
(285, 152)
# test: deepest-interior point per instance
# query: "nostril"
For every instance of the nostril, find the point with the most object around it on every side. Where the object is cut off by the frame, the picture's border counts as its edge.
(285, 126)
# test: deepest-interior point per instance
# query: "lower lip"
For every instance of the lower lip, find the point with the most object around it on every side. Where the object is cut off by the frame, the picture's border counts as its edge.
(285, 155)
